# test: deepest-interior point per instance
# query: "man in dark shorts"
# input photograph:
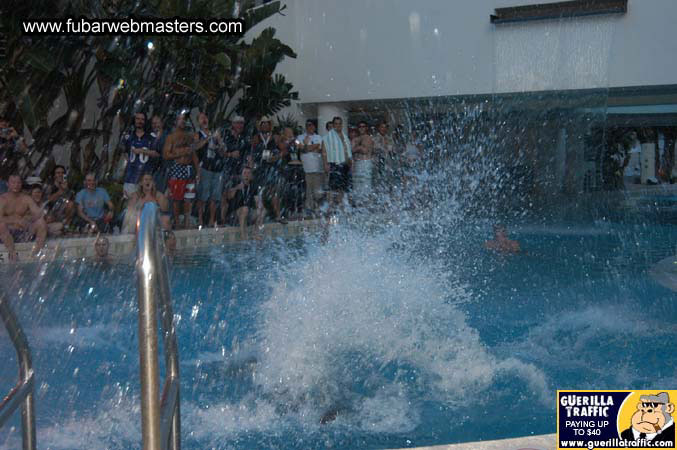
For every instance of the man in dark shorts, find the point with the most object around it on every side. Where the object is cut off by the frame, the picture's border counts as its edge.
(209, 153)
(337, 157)
(266, 160)
(20, 219)
(237, 148)
(245, 200)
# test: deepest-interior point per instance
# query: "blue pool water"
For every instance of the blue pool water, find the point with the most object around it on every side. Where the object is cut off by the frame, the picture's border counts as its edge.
(412, 340)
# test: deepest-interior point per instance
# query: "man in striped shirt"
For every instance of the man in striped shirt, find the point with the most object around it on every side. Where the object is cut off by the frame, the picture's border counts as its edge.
(337, 157)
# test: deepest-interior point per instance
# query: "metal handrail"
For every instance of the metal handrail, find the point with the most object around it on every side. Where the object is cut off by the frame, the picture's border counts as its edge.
(22, 393)
(160, 416)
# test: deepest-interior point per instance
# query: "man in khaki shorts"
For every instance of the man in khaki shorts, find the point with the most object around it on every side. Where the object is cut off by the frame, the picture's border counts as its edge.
(20, 219)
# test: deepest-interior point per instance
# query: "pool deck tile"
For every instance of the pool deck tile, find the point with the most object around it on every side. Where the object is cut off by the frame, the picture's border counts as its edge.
(123, 244)
(540, 442)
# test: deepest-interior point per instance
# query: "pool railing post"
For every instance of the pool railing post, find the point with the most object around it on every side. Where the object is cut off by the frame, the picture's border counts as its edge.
(22, 393)
(160, 416)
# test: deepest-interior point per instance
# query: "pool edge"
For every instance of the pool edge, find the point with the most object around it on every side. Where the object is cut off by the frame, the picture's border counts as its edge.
(664, 272)
(123, 244)
(538, 442)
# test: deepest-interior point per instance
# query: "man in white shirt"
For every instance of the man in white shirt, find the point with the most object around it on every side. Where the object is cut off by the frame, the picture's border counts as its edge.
(310, 145)
(337, 157)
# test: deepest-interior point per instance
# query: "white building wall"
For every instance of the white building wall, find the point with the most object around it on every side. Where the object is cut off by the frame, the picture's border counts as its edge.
(379, 49)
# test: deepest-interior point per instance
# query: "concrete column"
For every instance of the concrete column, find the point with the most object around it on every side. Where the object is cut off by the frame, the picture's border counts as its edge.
(327, 111)
(648, 161)
(560, 161)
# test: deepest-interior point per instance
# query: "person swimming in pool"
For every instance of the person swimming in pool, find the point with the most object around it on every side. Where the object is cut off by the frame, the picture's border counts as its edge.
(501, 242)
(101, 246)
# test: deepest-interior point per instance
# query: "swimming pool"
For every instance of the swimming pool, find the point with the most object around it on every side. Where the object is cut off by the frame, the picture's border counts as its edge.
(408, 335)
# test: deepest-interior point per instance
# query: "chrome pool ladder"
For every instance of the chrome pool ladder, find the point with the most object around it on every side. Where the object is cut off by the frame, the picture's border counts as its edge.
(160, 415)
(22, 393)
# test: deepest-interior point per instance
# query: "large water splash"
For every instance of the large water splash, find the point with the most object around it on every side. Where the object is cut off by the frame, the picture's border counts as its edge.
(355, 330)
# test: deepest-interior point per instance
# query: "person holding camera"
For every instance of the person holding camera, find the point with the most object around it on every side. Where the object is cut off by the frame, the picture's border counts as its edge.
(60, 204)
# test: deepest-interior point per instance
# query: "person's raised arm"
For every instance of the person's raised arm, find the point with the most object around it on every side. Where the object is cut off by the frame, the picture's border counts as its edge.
(58, 192)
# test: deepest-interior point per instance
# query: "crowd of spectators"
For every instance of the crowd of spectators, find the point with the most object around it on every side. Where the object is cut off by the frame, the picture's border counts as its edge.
(205, 177)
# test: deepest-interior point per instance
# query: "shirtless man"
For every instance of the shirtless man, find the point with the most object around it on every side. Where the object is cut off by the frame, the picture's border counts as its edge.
(384, 149)
(363, 146)
(501, 242)
(180, 147)
(20, 219)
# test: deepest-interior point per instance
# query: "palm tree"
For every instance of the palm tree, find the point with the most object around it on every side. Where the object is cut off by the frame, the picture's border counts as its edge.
(44, 74)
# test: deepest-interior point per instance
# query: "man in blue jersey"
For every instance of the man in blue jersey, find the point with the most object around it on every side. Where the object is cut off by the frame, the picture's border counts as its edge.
(138, 146)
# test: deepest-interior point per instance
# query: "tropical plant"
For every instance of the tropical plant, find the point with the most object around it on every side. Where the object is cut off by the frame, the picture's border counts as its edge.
(289, 121)
(47, 80)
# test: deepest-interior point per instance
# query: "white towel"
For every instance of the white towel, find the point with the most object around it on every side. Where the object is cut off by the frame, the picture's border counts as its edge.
(338, 150)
